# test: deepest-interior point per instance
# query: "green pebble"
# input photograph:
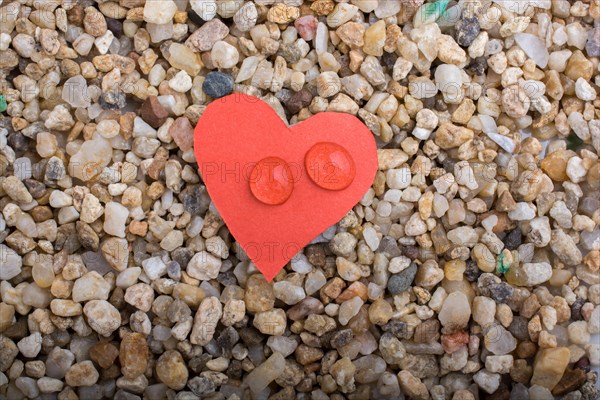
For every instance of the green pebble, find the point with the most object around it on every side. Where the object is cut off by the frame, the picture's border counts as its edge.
(430, 12)
(2, 103)
(502, 268)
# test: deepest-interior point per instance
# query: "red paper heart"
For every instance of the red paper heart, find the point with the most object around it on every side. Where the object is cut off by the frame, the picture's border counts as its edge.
(235, 133)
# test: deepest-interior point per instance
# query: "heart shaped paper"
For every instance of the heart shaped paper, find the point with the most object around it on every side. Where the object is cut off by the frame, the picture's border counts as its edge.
(235, 133)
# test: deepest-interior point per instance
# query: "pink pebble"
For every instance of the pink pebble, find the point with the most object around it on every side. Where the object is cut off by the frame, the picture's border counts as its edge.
(306, 26)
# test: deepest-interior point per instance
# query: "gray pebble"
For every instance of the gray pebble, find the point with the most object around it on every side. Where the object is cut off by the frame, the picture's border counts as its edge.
(401, 281)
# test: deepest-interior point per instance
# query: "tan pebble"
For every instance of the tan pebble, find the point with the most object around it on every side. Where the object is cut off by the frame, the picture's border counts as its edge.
(375, 39)
(283, 14)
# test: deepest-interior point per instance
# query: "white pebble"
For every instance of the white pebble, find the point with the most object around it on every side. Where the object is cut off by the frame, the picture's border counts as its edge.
(60, 199)
(206, 9)
(181, 82)
(584, 90)
(224, 55)
(370, 236)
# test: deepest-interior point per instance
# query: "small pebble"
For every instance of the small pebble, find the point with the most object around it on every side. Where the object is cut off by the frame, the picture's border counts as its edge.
(217, 84)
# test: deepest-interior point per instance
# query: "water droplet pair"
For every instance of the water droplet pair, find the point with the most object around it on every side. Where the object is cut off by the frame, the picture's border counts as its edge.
(328, 165)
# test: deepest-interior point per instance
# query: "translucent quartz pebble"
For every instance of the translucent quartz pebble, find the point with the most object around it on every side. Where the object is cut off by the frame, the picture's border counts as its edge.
(91, 158)
(489, 127)
(160, 32)
(266, 372)
(75, 92)
(534, 47)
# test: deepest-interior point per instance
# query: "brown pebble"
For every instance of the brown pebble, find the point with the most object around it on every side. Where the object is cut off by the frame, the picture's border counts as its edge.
(355, 289)
(307, 306)
(571, 381)
(306, 355)
(153, 112)
(315, 253)
(592, 260)
(138, 228)
(112, 372)
(526, 349)
(259, 294)
(126, 124)
(104, 354)
(133, 355)
(505, 202)
(205, 38)
(94, 22)
(427, 331)
(41, 213)
(322, 7)
(299, 100)
(502, 393)
(75, 15)
(285, 394)
(521, 371)
(182, 133)
(332, 290)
